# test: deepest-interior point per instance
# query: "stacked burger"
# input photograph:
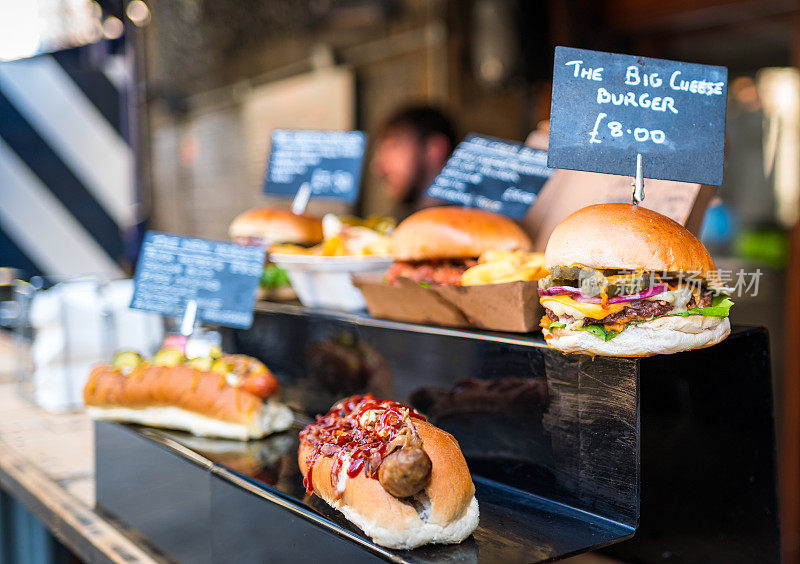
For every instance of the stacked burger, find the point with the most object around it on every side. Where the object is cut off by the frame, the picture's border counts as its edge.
(627, 281)
(266, 227)
(458, 267)
(436, 246)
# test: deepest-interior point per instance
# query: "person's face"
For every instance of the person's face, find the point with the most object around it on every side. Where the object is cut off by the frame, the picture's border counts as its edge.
(397, 161)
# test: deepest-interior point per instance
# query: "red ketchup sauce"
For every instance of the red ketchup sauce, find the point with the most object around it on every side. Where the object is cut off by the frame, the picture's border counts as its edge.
(339, 433)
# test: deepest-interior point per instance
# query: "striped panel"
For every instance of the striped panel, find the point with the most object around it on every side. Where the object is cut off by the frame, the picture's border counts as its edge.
(62, 182)
(67, 196)
(12, 255)
(96, 86)
(51, 102)
(43, 228)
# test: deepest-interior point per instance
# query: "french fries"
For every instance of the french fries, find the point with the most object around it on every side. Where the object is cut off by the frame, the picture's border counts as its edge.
(496, 267)
(347, 236)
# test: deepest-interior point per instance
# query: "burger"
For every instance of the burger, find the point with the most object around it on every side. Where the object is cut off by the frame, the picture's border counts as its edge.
(435, 246)
(270, 226)
(627, 281)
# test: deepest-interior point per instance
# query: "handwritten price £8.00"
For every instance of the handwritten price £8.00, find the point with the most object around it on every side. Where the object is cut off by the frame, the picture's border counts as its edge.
(616, 129)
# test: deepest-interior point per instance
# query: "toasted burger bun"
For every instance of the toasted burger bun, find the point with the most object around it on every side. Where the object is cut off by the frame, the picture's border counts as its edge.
(445, 512)
(626, 237)
(452, 232)
(660, 336)
(277, 225)
(182, 398)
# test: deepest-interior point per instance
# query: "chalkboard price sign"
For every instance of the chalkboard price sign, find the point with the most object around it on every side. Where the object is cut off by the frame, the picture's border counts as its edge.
(220, 277)
(329, 161)
(607, 108)
(492, 174)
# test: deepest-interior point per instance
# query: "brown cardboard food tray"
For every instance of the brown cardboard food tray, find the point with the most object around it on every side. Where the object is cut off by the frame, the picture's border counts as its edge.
(511, 306)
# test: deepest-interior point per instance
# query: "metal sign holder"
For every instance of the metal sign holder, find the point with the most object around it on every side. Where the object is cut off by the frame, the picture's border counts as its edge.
(638, 181)
(189, 318)
(301, 199)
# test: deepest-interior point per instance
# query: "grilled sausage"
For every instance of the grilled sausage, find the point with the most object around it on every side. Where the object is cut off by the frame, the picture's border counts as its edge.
(405, 472)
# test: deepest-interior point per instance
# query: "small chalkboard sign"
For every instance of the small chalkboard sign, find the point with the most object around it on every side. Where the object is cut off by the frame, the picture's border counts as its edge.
(329, 161)
(220, 277)
(607, 108)
(492, 174)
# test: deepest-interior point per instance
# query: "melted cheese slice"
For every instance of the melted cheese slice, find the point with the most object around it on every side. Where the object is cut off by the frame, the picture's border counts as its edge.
(565, 305)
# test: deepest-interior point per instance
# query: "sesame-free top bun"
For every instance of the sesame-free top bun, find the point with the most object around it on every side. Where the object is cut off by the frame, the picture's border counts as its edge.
(445, 512)
(626, 237)
(277, 225)
(452, 232)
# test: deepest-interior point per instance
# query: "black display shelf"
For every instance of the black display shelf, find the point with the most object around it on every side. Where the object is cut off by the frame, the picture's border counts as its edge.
(553, 441)
(202, 510)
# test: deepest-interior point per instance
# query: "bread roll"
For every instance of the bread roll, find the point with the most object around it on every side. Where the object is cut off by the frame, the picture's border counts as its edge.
(277, 225)
(445, 511)
(626, 237)
(451, 232)
(182, 397)
(664, 335)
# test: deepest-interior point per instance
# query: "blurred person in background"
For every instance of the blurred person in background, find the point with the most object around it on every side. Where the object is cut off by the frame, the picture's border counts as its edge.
(412, 146)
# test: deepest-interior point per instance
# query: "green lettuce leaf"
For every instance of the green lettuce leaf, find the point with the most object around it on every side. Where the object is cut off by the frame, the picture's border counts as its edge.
(274, 277)
(556, 325)
(425, 284)
(720, 307)
(599, 331)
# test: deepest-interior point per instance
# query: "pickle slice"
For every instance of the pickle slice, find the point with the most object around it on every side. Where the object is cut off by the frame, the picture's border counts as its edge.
(203, 363)
(625, 284)
(221, 366)
(566, 274)
(168, 357)
(593, 283)
(126, 360)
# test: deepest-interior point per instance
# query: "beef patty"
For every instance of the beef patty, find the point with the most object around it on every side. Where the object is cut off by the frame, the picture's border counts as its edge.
(437, 273)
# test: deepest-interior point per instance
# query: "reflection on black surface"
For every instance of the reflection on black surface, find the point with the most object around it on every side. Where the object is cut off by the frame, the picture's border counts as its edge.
(466, 551)
(498, 424)
(499, 395)
(514, 527)
(526, 416)
(339, 367)
(272, 461)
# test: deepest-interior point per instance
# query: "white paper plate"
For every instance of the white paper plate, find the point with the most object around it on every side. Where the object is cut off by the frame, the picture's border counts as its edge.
(325, 281)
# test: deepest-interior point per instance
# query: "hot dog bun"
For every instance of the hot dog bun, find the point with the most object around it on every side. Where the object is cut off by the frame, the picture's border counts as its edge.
(446, 511)
(181, 397)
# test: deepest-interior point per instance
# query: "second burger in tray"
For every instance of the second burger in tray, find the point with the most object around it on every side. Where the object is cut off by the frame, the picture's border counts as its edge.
(458, 267)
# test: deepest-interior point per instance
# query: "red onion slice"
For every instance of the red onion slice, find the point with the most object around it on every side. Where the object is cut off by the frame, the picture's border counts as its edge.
(558, 290)
(643, 295)
(578, 297)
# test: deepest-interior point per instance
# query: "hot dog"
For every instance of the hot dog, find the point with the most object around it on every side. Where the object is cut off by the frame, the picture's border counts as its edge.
(403, 481)
(228, 396)
(405, 472)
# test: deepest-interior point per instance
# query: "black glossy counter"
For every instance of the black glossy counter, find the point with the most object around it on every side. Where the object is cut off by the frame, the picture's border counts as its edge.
(553, 442)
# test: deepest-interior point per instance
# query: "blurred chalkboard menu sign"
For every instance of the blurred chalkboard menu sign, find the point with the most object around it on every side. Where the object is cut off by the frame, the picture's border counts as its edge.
(220, 277)
(492, 174)
(607, 108)
(329, 161)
